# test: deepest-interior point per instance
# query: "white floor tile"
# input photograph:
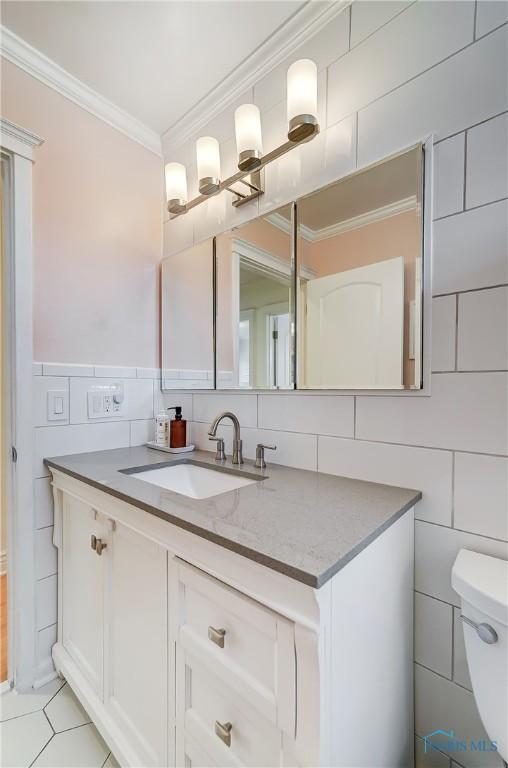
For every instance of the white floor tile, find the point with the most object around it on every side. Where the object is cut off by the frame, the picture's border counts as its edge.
(23, 738)
(79, 748)
(13, 704)
(65, 711)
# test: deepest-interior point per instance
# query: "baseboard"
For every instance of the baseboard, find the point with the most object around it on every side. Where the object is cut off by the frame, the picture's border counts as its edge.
(44, 679)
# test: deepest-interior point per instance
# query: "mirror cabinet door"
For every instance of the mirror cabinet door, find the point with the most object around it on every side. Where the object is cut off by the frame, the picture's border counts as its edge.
(255, 306)
(359, 279)
(187, 318)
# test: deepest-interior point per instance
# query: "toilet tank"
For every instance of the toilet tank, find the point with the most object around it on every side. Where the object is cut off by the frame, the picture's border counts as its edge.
(482, 583)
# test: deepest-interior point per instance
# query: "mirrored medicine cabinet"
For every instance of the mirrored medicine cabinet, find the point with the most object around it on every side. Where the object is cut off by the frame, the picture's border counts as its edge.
(323, 293)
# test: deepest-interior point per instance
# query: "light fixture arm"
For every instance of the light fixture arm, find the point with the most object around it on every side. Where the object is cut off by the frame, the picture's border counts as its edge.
(253, 180)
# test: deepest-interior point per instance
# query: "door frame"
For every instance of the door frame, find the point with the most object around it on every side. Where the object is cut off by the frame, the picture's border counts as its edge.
(17, 327)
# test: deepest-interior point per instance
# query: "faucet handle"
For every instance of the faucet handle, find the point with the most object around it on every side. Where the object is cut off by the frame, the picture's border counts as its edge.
(220, 454)
(260, 462)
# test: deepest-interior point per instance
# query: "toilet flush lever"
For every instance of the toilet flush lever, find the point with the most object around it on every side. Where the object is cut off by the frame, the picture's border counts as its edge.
(484, 631)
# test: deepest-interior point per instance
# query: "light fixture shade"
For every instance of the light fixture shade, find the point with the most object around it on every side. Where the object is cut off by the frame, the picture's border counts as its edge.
(249, 143)
(176, 187)
(302, 100)
(208, 160)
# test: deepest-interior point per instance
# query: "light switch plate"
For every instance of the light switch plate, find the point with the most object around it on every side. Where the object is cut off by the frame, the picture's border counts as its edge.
(58, 405)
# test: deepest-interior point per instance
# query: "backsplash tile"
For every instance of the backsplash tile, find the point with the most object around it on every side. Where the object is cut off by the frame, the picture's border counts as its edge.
(77, 438)
(483, 330)
(420, 468)
(487, 161)
(316, 414)
(457, 242)
(449, 161)
(466, 412)
(245, 407)
(433, 634)
(481, 494)
(436, 548)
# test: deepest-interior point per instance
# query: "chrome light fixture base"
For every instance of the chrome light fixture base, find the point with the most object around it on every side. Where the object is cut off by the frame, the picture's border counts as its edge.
(249, 160)
(302, 128)
(209, 185)
(176, 206)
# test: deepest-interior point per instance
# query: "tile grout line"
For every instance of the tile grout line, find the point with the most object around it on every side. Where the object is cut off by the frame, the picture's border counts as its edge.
(456, 330)
(470, 290)
(464, 207)
(429, 69)
(470, 209)
(469, 127)
(391, 442)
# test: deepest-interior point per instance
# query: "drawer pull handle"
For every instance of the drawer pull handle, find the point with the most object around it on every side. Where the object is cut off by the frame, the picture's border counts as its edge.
(217, 636)
(93, 542)
(223, 731)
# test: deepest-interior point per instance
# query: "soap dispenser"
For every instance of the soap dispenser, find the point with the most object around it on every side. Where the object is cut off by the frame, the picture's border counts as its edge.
(177, 429)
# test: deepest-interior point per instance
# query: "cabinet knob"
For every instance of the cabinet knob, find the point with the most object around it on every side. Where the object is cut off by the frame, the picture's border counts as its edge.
(223, 731)
(217, 636)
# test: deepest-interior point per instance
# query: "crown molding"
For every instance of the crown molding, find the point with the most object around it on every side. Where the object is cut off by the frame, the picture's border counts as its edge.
(20, 134)
(24, 56)
(356, 222)
(304, 24)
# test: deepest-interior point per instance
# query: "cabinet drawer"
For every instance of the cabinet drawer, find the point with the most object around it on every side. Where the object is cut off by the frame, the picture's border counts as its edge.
(221, 724)
(246, 645)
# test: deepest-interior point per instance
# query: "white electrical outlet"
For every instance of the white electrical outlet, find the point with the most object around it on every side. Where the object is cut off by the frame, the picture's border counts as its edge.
(105, 401)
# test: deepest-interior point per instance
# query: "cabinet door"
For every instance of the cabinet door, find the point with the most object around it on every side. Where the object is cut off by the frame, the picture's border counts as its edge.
(83, 590)
(136, 643)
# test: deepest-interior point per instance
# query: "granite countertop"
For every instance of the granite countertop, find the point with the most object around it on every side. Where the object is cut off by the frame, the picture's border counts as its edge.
(306, 525)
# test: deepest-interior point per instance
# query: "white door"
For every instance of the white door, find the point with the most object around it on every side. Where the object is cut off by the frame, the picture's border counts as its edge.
(354, 327)
(83, 590)
(136, 643)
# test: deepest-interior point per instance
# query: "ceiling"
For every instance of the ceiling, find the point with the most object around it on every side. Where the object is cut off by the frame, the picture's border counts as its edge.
(155, 60)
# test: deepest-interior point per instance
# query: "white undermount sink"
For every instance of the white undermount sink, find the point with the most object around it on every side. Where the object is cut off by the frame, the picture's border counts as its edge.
(191, 480)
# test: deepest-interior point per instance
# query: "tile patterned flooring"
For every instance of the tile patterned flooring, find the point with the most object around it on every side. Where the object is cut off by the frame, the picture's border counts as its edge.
(49, 727)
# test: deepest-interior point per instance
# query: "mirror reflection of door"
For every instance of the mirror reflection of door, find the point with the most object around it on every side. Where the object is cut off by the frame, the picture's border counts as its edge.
(359, 314)
(254, 305)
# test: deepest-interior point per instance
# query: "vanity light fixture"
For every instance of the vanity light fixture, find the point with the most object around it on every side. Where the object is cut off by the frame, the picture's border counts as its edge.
(302, 126)
(249, 143)
(208, 161)
(176, 187)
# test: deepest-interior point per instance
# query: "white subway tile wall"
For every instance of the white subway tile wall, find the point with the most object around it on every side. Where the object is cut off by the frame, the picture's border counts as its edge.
(403, 73)
(76, 433)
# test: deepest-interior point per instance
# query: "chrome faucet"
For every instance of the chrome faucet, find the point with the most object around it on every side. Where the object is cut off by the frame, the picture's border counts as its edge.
(237, 443)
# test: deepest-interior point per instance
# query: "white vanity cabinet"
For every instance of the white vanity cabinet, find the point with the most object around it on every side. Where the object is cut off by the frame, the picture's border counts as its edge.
(187, 654)
(113, 623)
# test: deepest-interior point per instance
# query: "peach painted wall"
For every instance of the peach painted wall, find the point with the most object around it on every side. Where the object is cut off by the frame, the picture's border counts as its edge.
(97, 213)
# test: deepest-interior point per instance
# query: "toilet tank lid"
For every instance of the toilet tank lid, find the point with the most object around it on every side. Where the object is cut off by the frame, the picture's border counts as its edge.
(482, 580)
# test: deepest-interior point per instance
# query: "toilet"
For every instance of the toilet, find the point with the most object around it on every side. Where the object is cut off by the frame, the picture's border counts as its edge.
(482, 583)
